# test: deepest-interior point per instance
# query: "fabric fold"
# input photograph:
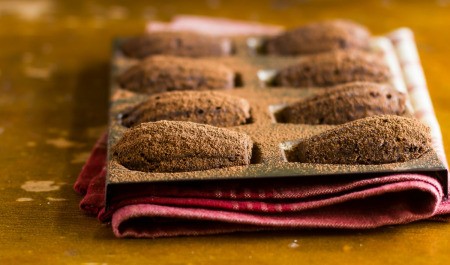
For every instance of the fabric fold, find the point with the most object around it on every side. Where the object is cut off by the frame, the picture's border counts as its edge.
(392, 204)
(93, 166)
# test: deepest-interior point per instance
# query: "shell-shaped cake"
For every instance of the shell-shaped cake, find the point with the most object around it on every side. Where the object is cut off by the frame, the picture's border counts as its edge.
(345, 103)
(178, 146)
(167, 73)
(373, 140)
(186, 44)
(320, 37)
(208, 107)
(333, 68)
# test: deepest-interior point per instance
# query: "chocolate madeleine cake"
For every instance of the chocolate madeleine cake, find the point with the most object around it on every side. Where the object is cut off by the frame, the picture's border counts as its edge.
(332, 68)
(373, 140)
(165, 73)
(187, 44)
(345, 103)
(178, 146)
(208, 107)
(320, 37)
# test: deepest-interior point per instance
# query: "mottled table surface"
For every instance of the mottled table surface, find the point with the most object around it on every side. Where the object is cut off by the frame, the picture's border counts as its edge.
(53, 105)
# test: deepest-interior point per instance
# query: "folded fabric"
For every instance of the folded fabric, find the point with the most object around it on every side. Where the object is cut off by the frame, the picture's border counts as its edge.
(214, 26)
(345, 202)
(93, 166)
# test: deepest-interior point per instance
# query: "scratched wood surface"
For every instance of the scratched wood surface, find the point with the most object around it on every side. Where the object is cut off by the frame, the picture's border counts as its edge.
(53, 105)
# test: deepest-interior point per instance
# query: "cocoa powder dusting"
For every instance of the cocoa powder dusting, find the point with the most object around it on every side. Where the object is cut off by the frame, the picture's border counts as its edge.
(373, 140)
(320, 37)
(186, 44)
(333, 68)
(208, 107)
(173, 146)
(165, 73)
(345, 103)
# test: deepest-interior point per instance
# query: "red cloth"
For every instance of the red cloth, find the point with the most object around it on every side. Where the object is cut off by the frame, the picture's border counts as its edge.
(173, 210)
(93, 165)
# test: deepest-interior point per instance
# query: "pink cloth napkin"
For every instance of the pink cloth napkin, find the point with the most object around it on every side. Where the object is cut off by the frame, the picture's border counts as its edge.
(198, 209)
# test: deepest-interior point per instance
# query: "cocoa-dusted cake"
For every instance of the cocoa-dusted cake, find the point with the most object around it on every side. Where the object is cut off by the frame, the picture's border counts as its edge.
(165, 73)
(320, 37)
(187, 44)
(373, 140)
(332, 68)
(344, 103)
(177, 146)
(208, 107)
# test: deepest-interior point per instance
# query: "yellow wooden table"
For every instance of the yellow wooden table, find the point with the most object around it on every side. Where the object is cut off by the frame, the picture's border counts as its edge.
(54, 59)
